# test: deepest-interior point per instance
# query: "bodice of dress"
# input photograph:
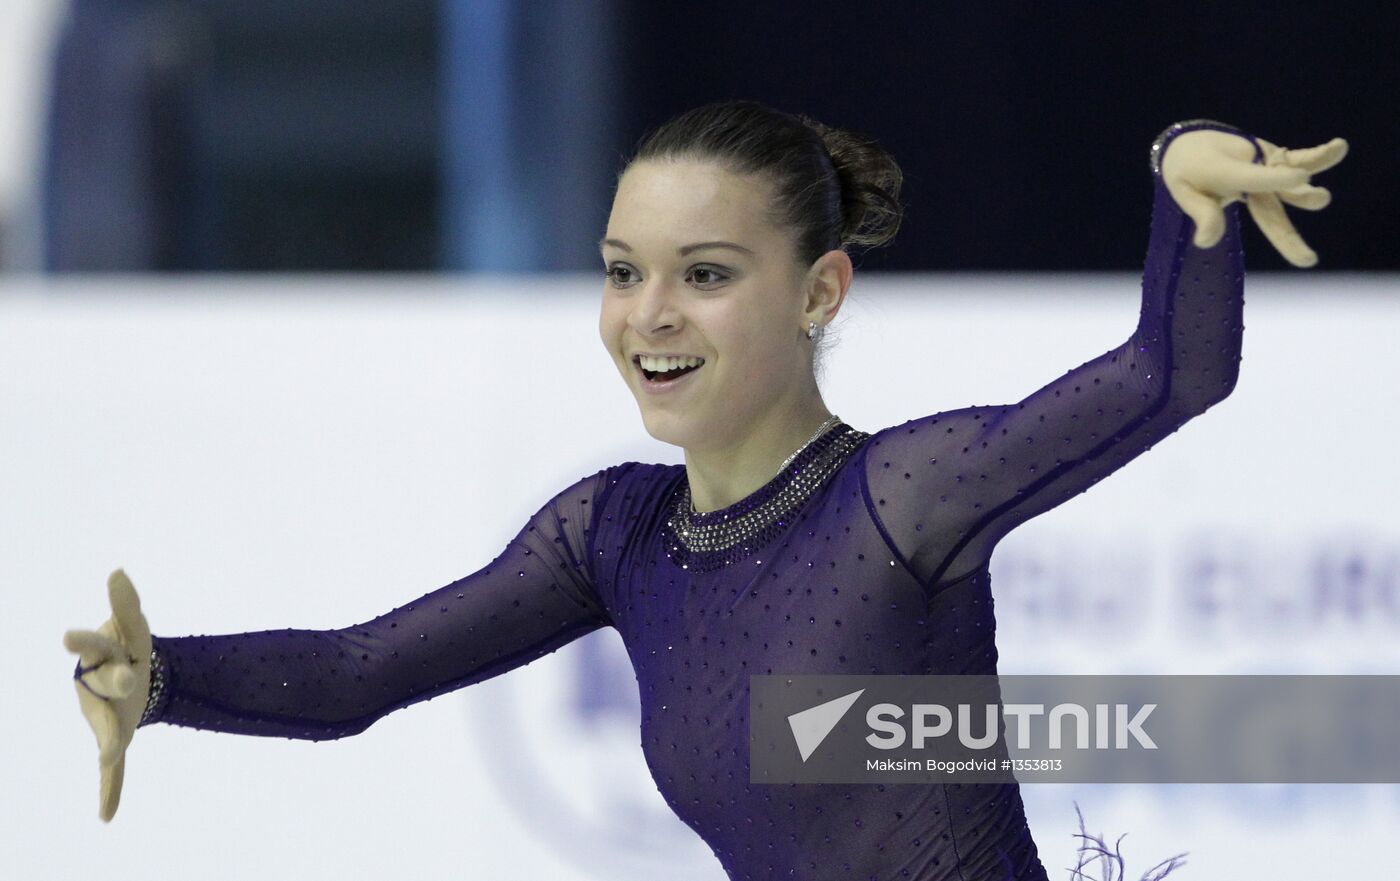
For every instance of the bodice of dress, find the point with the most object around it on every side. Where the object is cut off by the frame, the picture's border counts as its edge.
(883, 568)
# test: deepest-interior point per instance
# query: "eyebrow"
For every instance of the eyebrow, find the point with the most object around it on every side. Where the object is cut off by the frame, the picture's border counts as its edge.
(618, 243)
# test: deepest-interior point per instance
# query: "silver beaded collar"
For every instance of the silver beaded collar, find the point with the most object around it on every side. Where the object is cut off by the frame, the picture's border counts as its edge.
(709, 540)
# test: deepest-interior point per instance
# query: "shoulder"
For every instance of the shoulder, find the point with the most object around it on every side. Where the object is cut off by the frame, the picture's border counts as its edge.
(936, 430)
(637, 474)
(630, 484)
(631, 496)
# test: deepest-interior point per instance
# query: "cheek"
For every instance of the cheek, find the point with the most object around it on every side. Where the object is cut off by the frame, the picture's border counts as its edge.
(610, 329)
(757, 355)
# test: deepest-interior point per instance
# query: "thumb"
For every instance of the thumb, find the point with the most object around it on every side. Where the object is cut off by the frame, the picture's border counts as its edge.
(103, 719)
(1203, 210)
(111, 794)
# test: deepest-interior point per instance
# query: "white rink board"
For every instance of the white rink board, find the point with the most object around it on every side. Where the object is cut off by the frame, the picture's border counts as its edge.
(312, 451)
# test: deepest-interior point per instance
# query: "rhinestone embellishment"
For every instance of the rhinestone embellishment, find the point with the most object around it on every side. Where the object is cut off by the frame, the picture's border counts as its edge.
(158, 678)
(710, 540)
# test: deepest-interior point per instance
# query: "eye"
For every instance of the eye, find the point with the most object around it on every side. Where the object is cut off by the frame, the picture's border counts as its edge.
(711, 275)
(622, 276)
(626, 278)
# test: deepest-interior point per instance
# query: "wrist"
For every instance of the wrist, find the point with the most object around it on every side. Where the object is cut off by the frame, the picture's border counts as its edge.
(1159, 146)
(156, 694)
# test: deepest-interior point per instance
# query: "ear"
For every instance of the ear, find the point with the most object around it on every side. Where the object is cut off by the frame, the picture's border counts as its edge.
(828, 280)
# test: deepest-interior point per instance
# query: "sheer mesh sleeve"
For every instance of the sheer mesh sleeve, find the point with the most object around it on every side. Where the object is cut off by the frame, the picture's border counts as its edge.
(946, 488)
(534, 597)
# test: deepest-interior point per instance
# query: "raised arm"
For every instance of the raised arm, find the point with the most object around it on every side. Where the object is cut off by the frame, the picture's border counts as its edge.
(945, 488)
(533, 598)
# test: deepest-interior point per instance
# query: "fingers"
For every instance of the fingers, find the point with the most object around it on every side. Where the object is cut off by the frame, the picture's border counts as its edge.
(1278, 229)
(1307, 197)
(126, 611)
(111, 788)
(1205, 211)
(1246, 177)
(111, 680)
(92, 647)
(1268, 210)
(1314, 159)
(106, 669)
(1212, 173)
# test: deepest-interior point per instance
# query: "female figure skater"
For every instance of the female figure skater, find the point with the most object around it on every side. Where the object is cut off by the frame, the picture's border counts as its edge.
(789, 542)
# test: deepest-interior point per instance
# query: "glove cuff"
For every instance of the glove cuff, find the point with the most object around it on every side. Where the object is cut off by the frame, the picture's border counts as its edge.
(1159, 146)
(156, 699)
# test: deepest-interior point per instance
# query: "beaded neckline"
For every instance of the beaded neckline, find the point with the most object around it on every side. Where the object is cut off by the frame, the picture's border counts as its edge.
(709, 540)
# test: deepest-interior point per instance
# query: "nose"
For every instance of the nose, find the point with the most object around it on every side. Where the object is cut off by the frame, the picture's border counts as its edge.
(654, 311)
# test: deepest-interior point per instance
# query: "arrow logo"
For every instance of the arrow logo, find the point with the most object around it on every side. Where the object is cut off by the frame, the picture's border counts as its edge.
(811, 726)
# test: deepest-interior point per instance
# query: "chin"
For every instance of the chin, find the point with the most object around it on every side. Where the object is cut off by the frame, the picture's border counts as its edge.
(667, 428)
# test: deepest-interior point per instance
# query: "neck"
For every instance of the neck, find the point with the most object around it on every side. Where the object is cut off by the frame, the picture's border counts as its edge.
(721, 475)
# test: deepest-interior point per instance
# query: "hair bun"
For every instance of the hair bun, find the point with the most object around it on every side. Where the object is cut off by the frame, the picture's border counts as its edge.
(870, 182)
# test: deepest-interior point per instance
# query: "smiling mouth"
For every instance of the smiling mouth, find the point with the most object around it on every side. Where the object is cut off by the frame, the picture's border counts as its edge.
(664, 375)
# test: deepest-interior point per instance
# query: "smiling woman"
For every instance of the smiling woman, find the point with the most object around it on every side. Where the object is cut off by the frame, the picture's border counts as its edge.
(726, 248)
(789, 542)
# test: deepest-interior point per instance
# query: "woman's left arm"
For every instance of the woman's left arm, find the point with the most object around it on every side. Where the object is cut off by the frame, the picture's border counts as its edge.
(945, 488)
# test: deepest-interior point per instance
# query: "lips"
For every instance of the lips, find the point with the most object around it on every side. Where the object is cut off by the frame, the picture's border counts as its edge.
(663, 381)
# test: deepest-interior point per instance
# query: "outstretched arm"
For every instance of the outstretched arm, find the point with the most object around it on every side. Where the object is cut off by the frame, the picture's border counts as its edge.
(533, 598)
(945, 488)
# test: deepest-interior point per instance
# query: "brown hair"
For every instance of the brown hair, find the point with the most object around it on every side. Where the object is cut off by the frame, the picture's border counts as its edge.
(834, 188)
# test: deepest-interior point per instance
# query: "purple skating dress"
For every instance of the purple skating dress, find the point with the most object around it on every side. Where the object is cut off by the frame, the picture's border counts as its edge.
(868, 554)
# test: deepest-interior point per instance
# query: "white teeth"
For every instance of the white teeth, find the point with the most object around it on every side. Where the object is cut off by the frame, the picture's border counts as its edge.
(653, 364)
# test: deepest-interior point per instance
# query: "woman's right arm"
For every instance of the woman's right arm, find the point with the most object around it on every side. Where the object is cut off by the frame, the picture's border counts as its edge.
(537, 595)
(946, 488)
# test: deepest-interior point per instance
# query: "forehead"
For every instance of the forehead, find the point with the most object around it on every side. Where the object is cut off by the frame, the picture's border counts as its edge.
(670, 200)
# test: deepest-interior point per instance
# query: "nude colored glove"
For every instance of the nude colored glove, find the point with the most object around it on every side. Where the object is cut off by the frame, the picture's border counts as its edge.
(114, 681)
(1205, 170)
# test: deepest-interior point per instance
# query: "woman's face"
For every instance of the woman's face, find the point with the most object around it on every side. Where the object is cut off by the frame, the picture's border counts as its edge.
(671, 291)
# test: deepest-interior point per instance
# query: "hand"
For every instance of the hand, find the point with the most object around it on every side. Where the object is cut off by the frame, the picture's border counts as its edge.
(1205, 170)
(115, 682)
